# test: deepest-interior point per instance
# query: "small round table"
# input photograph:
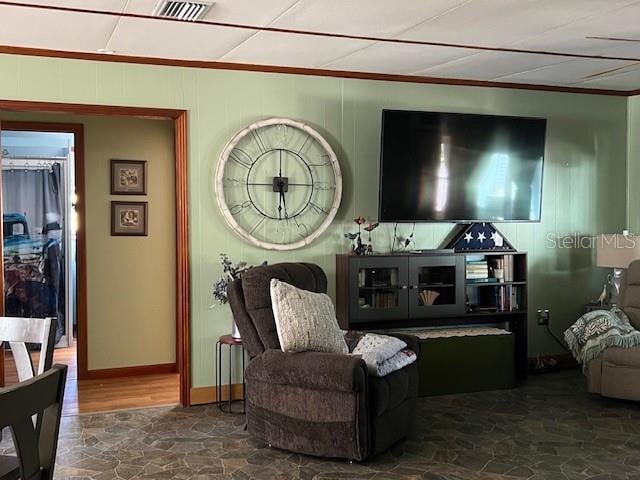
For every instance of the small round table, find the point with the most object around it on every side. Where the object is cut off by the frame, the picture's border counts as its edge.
(227, 407)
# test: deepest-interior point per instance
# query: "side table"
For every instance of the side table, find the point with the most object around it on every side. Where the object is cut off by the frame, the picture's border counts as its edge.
(227, 407)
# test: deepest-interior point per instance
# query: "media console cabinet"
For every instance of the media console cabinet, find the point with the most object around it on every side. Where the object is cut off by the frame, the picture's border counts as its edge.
(435, 289)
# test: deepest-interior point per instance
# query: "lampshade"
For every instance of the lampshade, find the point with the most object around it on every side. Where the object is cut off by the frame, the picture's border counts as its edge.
(615, 250)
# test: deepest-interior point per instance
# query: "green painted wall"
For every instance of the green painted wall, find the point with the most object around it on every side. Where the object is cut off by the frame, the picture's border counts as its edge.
(584, 177)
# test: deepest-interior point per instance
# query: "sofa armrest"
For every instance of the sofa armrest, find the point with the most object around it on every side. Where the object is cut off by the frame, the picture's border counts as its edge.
(313, 370)
(413, 342)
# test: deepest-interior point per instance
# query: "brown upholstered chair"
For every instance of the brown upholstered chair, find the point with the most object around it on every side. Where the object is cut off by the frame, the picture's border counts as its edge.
(616, 373)
(320, 404)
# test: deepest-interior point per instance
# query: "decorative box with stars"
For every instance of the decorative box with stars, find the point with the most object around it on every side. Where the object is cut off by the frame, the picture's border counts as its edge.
(478, 237)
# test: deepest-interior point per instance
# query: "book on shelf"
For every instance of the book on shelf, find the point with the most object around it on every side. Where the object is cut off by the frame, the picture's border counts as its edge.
(383, 300)
(477, 269)
(509, 298)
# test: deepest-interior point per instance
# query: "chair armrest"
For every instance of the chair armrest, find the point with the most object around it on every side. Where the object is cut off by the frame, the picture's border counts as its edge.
(413, 342)
(314, 370)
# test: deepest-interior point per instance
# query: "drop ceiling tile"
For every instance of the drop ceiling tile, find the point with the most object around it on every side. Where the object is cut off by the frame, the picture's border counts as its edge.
(623, 49)
(363, 17)
(27, 27)
(503, 22)
(490, 65)
(570, 39)
(103, 5)
(268, 48)
(159, 38)
(628, 80)
(232, 11)
(397, 59)
(567, 73)
(619, 21)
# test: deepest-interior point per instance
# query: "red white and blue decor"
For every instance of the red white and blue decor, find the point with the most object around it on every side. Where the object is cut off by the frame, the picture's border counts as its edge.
(478, 237)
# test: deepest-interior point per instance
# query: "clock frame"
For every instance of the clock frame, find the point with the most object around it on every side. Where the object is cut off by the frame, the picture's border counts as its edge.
(279, 183)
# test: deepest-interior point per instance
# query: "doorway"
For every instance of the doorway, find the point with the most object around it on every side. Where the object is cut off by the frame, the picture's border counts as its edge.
(79, 114)
(40, 234)
(39, 228)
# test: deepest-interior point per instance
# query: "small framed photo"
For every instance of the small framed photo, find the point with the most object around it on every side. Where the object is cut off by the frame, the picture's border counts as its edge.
(129, 219)
(128, 177)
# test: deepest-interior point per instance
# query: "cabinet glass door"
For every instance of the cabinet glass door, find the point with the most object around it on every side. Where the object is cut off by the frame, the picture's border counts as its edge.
(436, 286)
(382, 288)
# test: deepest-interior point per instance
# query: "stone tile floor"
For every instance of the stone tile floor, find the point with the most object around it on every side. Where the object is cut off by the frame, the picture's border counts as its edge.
(549, 429)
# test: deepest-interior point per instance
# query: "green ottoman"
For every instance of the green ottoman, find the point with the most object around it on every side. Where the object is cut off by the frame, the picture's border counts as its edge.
(472, 360)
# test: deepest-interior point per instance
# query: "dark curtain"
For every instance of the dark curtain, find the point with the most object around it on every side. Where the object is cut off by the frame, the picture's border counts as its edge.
(35, 194)
(33, 243)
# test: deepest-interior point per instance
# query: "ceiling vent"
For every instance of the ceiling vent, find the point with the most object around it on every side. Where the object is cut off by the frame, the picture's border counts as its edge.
(180, 10)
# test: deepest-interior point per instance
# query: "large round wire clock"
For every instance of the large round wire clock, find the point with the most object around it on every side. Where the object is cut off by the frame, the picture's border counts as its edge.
(278, 184)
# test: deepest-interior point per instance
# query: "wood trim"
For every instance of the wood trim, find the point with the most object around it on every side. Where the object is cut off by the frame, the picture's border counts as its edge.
(81, 260)
(183, 335)
(90, 109)
(2, 349)
(183, 342)
(48, 53)
(313, 33)
(203, 395)
(163, 368)
(77, 129)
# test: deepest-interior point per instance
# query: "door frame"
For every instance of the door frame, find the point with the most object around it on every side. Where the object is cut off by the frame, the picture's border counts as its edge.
(179, 118)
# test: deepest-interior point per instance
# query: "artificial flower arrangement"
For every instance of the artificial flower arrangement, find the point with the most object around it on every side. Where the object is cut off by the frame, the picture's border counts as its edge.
(230, 272)
(357, 246)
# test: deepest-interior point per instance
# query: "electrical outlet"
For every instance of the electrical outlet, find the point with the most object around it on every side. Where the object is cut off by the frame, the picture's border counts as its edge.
(543, 317)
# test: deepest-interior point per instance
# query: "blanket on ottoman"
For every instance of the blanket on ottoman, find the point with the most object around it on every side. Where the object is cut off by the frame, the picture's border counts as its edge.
(598, 330)
(383, 354)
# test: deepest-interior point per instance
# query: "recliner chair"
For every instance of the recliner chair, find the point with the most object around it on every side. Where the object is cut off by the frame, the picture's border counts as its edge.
(616, 373)
(320, 404)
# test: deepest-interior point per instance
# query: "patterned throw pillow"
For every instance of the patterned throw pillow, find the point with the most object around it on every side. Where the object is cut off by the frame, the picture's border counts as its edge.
(305, 321)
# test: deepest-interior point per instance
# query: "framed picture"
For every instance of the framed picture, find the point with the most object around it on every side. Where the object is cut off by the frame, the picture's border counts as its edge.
(128, 177)
(129, 219)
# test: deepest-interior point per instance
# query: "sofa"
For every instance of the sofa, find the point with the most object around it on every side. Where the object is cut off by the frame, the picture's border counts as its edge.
(616, 373)
(320, 404)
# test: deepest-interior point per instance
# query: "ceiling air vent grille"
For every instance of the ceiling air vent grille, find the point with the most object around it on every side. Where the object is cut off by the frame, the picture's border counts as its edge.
(180, 10)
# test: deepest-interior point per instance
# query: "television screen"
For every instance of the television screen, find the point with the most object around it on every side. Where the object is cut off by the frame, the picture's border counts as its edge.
(451, 167)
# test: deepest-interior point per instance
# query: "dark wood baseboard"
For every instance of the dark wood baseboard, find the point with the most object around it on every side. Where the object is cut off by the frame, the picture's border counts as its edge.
(132, 371)
(551, 363)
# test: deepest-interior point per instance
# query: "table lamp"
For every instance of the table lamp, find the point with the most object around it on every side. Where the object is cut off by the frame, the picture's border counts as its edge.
(617, 251)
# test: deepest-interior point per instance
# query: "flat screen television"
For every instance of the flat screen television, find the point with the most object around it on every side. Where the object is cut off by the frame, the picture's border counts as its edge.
(452, 167)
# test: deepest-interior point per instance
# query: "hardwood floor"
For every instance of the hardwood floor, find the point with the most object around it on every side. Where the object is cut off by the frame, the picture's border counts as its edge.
(90, 396)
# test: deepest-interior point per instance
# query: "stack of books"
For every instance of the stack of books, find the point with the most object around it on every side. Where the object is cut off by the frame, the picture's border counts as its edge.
(477, 271)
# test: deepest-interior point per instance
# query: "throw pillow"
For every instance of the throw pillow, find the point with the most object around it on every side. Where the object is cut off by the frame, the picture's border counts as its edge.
(305, 321)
